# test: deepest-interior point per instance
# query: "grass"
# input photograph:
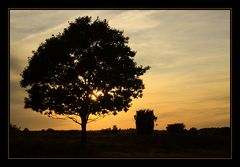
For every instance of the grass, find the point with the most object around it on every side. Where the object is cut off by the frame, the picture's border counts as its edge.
(124, 144)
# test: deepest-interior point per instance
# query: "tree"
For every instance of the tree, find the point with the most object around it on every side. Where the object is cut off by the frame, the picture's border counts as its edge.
(176, 128)
(88, 69)
(145, 121)
(193, 131)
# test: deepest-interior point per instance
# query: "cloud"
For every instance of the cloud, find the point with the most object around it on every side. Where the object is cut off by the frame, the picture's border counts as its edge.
(24, 26)
(16, 64)
(134, 21)
(184, 35)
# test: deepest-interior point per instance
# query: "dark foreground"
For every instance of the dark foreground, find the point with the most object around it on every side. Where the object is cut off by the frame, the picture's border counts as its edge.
(124, 144)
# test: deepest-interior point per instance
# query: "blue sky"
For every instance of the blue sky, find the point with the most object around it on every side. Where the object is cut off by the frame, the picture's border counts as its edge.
(188, 51)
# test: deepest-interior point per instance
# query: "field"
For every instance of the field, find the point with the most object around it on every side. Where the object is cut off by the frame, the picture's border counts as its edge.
(124, 144)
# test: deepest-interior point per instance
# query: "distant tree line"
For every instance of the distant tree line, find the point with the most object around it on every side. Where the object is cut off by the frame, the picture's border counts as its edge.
(179, 128)
(145, 127)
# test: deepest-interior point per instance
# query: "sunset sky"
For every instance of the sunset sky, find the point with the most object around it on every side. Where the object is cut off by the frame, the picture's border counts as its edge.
(188, 51)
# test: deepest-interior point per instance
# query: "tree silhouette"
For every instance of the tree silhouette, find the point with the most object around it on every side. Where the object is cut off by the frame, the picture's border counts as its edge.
(193, 131)
(88, 69)
(176, 128)
(14, 128)
(145, 121)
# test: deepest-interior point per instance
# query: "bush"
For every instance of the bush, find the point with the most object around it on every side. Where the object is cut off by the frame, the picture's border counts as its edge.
(14, 128)
(176, 128)
(50, 130)
(145, 121)
(115, 129)
(224, 131)
(107, 130)
(193, 131)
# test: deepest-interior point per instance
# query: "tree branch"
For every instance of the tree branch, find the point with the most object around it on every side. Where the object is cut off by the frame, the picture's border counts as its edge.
(101, 116)
(74, 120)
(55, 116)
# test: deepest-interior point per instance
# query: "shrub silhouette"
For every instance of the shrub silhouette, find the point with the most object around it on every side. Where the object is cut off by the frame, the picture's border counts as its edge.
(50, 130)
(107, 130)
(115, 129)
(14, 128)
(224, 131)
(145, 121)
(176, 128)
(215, 131)
(193, 131)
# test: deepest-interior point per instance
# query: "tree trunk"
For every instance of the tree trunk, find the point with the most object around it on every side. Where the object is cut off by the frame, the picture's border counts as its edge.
(84, 129)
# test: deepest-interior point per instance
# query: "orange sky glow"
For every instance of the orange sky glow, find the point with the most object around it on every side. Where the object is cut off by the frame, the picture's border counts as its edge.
(188, 52)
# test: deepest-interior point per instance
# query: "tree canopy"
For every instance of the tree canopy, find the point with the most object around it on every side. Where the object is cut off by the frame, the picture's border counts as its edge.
(87, 69)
